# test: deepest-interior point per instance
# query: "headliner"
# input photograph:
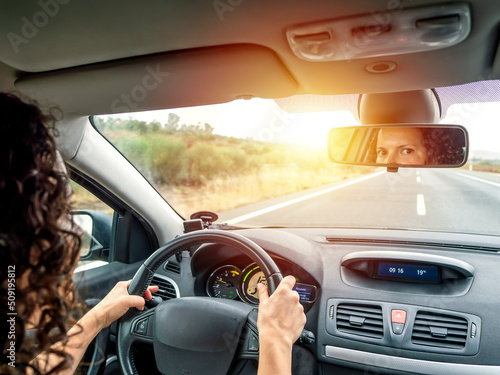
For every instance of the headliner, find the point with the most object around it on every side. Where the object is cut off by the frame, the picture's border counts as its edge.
(86, 55)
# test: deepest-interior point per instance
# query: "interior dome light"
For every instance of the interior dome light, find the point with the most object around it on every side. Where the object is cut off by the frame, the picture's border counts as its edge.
(391, 32)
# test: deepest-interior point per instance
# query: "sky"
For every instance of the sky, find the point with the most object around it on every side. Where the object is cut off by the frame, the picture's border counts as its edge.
(481, 121)
(262, 119)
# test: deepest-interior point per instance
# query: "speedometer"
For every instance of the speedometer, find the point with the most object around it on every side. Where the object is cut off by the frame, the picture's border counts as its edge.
(223, 282)
(251, 276)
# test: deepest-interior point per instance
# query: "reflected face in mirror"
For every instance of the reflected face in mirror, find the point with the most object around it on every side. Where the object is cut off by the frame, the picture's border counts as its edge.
(401, 146)
(410, 145)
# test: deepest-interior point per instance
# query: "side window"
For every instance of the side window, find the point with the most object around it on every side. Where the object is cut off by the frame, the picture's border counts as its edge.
(95, 218)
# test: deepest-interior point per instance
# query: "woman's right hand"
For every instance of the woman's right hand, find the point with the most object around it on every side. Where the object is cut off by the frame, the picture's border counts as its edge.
(281, 316)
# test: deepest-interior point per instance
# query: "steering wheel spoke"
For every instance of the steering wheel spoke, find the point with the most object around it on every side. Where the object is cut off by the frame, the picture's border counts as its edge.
(250, 342)
(135, 327)
(141, 328)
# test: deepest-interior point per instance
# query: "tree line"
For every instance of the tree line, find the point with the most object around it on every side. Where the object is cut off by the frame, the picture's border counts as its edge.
(178, 154)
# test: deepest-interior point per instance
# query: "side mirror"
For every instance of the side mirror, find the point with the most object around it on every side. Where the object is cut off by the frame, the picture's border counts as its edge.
(96, 226)
(400, 145)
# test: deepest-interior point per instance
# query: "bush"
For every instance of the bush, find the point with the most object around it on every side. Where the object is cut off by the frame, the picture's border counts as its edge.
(167, 159)
(236, 160)
(207, 161)
(136, 150)
(313, 160)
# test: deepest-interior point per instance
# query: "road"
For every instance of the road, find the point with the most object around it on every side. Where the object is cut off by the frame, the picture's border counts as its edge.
(434, 199)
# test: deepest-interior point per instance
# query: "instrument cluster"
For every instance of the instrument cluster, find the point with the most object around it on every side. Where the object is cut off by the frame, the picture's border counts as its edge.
(228, 281)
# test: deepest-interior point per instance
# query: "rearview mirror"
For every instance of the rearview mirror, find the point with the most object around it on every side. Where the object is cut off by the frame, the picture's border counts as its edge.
(399, 145)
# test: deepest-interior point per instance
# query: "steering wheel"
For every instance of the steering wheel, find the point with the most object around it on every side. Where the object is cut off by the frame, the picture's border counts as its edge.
(193, 335)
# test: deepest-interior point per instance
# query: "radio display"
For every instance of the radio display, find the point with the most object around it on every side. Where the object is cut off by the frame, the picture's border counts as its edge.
(307, 293)
(409, 272)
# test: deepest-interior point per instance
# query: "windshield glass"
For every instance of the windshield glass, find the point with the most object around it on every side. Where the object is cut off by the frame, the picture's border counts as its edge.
(254, 164)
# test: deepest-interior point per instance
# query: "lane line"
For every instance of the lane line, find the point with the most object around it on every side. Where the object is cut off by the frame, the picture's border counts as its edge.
(421, 205)
(479, 179)
(300, 199)
(419, 179)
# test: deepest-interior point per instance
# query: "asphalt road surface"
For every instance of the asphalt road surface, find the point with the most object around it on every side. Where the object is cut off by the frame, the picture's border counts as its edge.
(432, 199)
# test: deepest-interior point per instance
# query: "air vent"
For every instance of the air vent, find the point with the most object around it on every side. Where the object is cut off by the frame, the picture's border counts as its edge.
(173, 267)
(360, 320)
(439, 330)
(167, 289)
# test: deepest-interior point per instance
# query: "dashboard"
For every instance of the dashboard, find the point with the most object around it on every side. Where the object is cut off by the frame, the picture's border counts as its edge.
(397, 303)
(235, 276)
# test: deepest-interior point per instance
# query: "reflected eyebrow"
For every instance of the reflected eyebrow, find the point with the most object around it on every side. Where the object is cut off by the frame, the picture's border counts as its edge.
(408, 145)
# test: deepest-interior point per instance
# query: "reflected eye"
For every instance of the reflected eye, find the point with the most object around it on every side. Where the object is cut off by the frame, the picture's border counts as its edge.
(407, 151)
(381, 152)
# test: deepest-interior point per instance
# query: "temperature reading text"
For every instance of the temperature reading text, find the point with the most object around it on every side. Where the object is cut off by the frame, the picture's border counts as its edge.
(407, 272)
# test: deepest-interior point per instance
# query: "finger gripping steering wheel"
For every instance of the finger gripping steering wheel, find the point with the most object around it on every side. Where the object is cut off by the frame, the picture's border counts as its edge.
(192, 334)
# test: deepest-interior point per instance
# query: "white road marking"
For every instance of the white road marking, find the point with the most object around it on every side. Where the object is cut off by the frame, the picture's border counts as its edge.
(421, 205)
(480, 180)
(300, 199)
(419, 179)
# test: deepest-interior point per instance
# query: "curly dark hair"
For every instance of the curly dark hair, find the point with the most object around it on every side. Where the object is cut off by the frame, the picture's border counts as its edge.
(443, 146)
(371, 154)
(37, 249)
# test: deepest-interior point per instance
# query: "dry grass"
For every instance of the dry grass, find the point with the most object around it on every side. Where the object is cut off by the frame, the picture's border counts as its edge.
(483, 168)
(84, 200)
(225, 193)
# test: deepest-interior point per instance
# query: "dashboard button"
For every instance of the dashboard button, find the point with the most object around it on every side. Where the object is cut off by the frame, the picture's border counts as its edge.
(253, 343)
(142, 326)
(397, 328)
(398, 316)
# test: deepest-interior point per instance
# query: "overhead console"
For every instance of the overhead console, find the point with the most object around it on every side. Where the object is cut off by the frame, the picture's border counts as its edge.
(407, 272)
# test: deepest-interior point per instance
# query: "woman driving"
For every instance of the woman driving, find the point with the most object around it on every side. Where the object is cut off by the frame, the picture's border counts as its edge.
(43, 329)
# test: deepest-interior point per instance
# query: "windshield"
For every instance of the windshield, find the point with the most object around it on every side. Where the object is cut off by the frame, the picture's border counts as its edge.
(255, 164)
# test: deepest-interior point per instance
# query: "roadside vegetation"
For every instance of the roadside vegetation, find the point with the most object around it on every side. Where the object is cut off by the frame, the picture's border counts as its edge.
(195, 169)
(492, 166)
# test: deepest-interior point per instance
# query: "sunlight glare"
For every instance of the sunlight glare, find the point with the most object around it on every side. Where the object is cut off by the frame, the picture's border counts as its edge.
(260, 119)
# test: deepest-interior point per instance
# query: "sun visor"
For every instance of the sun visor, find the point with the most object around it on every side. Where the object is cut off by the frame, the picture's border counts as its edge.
(170, 80)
